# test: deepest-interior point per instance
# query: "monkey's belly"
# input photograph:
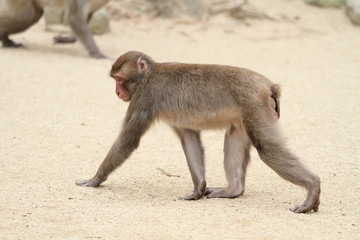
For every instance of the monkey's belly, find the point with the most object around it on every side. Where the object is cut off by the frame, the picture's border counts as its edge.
(203, 120)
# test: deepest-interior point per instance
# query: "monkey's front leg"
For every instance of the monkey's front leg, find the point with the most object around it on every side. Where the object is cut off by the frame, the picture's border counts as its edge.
(118, 153)
(194, 152)
(78, 14)
(109, 164)
(129, 139)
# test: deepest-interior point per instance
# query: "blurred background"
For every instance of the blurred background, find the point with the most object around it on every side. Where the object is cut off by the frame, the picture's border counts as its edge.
(59, 115)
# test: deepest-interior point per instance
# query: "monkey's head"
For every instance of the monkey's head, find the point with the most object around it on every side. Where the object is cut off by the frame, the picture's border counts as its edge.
(129, 71)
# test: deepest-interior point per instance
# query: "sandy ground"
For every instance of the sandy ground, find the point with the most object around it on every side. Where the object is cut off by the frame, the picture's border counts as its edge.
(59, 116)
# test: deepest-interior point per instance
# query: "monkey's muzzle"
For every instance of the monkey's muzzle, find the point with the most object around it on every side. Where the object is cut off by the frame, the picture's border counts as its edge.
(121, 90)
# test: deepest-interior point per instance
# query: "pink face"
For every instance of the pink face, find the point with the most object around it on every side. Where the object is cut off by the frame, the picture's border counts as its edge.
(120, 89)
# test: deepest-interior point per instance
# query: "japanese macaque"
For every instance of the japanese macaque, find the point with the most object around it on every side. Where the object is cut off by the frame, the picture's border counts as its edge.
(18, 15)
(195, 97)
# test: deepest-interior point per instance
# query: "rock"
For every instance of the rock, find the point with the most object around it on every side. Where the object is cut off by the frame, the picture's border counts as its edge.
(326, 3)
(54, 15)
(353, 11)
(56, 21)
(173, 9)
(100, 23)
(177, 8)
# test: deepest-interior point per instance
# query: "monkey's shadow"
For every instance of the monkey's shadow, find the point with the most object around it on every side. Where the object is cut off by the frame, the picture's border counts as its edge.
(128, 189)
(143, 188)
(73, 50)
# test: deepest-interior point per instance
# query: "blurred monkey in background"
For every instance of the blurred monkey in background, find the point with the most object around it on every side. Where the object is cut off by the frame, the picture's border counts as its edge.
(18, 15)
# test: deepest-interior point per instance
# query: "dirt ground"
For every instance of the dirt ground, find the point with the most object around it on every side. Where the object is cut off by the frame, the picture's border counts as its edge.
(59, 116)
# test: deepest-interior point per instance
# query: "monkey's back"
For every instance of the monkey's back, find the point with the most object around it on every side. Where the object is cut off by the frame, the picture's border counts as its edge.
(206, 96)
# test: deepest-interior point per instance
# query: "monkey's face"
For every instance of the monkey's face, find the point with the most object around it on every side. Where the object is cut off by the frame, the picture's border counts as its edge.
(127, 79)
(123, 80)
(128, 73)
(121, 90)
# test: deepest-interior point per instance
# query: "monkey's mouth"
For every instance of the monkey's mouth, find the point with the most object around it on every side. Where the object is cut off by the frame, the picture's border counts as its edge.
(121, 90)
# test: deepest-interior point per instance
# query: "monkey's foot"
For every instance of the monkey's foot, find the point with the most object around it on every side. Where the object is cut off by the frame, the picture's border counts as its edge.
(194, 196)
(304, 208)
(312, 201)
(64, 39)
(223, 192)
(94, 182)
(8, 43)
(199, 189)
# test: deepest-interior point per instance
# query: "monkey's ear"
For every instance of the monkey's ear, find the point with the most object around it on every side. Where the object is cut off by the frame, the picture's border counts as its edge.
(141, 64)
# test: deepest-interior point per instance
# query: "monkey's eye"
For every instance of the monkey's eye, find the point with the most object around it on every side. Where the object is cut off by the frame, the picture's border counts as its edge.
(118, 79)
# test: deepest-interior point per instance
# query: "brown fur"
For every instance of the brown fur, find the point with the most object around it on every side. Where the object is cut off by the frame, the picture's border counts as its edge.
(18, 15)
(193, 97)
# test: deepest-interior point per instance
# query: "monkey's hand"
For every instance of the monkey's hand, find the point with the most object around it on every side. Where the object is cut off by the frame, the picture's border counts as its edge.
(94, 182)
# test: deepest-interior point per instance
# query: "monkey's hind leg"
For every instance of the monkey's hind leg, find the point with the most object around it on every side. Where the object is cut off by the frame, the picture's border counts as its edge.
(271, 149)
(8, 43)
(194, 152)
(236, 159)
(64, 39)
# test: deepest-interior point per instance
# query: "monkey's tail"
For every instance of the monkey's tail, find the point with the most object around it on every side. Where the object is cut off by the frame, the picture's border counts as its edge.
(275, 94)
